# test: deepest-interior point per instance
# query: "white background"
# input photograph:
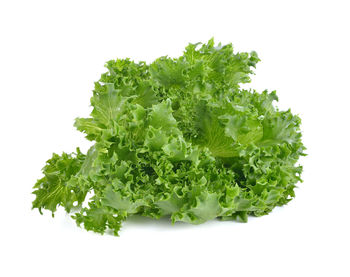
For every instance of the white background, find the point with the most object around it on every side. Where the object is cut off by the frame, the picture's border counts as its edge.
(53, 51)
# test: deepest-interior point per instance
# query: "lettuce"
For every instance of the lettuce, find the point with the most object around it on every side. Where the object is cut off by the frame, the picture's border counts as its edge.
(177, 138)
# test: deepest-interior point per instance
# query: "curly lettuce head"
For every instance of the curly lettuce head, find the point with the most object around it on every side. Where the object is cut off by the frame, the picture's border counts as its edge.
(178, 138)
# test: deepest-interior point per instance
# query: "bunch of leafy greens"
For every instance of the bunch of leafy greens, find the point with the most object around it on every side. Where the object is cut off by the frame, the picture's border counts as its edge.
(177, 138)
